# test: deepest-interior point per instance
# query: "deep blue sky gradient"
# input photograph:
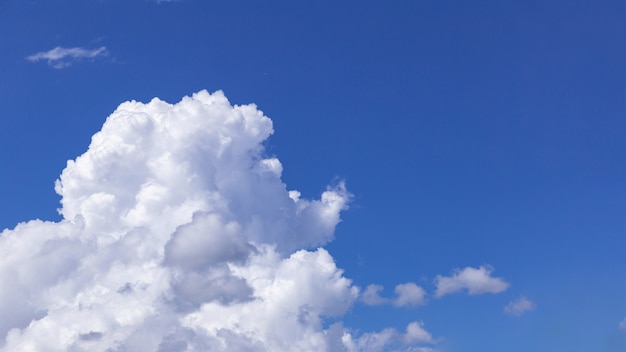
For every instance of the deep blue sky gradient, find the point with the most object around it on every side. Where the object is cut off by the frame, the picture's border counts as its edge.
(471, 133)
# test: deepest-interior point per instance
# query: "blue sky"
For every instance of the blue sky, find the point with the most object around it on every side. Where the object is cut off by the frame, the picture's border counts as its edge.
(470, 134)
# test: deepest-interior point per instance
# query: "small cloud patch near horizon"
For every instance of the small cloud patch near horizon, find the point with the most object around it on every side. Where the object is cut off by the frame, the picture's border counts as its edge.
(61, 57)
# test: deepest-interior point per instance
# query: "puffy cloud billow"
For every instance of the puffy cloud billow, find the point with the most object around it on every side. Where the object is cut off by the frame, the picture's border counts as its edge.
(179, 235)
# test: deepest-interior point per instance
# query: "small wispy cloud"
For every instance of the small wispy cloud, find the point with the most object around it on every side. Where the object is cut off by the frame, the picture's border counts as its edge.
(622, 325)
(474, 280)
(61, 57)
(519, 306)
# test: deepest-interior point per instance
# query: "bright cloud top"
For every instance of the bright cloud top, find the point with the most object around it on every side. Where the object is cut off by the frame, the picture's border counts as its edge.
(178, 235)
(60, 57)
(519, 306)
(474, 280)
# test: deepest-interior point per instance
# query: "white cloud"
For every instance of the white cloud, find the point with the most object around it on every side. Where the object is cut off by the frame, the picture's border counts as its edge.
(178, 234)
(409, 294)
(474, 280)
(622, 324)
(60, 57)
(519, 306)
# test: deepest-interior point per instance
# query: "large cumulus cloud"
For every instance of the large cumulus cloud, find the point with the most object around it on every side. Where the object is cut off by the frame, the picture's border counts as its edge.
(179, 235)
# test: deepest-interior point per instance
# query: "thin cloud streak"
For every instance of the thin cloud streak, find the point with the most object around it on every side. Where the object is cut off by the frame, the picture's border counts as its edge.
(61, 57)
